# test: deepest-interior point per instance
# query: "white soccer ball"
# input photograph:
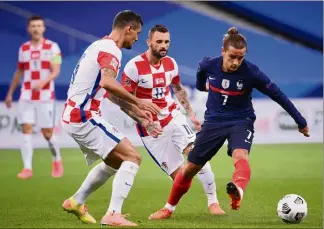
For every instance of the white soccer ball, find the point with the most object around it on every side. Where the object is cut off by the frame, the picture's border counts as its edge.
(292, 208)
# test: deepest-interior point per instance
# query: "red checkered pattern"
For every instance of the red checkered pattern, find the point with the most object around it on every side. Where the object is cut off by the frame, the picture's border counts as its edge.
(85, 94)
(35, 61)
(72, 111)
(152, 83)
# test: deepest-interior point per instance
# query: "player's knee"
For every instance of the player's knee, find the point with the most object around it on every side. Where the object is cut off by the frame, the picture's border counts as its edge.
(47, 133)
(189, 170)
(27, 128)
(134, 156)
(188, 149)
(239, 154)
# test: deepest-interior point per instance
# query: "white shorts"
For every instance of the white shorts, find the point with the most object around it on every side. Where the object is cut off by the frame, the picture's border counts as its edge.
(41, 114)
(167, 149)
(96, 137)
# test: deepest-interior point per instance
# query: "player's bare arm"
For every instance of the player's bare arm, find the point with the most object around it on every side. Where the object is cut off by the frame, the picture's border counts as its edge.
(182, 96)
(15, 81)
(142, 117)
(137, 114)
(109, 82)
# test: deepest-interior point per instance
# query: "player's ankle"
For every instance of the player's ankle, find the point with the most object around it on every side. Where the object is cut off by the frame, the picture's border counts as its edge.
(213, 200)
(170, 207)
(241, 191)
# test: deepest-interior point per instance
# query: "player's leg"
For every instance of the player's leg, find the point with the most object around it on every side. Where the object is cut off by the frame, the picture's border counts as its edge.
(127, 160)
(45, 113)
(206, 145)
(26, 118)
(98, 139)
(163, 152)
(97, 177)
(183, 138)
(124, 160)
(240, 141)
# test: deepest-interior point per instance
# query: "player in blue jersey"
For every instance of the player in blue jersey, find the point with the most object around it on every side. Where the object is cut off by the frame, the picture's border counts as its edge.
(230, 116)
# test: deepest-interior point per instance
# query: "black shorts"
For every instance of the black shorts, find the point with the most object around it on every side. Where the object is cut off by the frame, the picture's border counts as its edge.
(210, 139)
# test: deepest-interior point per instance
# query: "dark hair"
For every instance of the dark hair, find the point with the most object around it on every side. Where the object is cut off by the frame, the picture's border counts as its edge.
(125, 18)
(158, 28)
(35, 18)
(235, 39)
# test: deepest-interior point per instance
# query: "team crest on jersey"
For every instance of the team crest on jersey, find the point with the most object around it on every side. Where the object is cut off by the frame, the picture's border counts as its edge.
(225, 83)
(159, 81)
(35, 55)
(239, 85)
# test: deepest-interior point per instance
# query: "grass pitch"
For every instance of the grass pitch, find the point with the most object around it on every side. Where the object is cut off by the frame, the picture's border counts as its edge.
(276, 170)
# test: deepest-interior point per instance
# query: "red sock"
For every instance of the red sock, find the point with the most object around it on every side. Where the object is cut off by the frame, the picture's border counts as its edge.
(180, 186)
(242, 173)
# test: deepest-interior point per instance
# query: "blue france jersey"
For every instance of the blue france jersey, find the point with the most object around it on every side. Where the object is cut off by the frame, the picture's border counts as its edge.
(229, 100)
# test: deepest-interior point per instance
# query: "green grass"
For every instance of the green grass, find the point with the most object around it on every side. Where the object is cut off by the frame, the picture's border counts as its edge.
(276, 170)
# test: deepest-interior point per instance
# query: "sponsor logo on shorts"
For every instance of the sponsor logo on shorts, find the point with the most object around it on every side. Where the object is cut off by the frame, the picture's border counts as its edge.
(115, 130)
(164, 166)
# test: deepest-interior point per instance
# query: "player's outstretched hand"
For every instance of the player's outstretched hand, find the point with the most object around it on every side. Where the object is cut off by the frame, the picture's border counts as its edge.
(193, 118)
(154, 129)
(8, 101)
(305, 131)
(148, 106)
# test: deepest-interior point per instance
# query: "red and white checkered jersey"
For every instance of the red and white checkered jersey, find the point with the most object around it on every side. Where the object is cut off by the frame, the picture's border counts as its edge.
(36, 63)
(85, 94)
(152, 83)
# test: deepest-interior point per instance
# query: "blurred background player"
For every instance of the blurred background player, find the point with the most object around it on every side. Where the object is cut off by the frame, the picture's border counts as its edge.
(149, 76)
(39, 63)
(229, 116)
(92, 81)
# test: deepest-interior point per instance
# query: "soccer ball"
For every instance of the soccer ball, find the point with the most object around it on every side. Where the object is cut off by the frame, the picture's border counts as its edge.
(292, 208)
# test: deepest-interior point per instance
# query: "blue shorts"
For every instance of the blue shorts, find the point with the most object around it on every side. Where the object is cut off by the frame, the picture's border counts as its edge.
(210, 139)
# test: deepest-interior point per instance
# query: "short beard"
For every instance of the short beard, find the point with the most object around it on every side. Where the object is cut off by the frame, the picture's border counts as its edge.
(157, 54)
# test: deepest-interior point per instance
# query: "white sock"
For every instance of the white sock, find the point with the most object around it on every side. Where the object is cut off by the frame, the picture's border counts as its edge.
(27, 150)
(170, 207)
(207, 179)
(122, 184)
(95, 179)
(241, 192)
(54, 148)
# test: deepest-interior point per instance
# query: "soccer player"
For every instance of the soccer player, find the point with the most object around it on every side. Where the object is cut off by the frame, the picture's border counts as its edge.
(39, 64)
(229, 116)
(149, 76)
(92, 81)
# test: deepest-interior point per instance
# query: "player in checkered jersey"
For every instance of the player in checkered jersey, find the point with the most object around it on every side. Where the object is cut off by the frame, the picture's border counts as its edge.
(39, 64)
(93, 80)
(149, 77)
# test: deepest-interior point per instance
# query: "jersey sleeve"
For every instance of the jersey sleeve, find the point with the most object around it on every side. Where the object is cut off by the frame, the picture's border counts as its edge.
(20, 64)
(109, 56)
(56, 54)
(201, 76)
(263, 84)
(130, 77)
(176, 77)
